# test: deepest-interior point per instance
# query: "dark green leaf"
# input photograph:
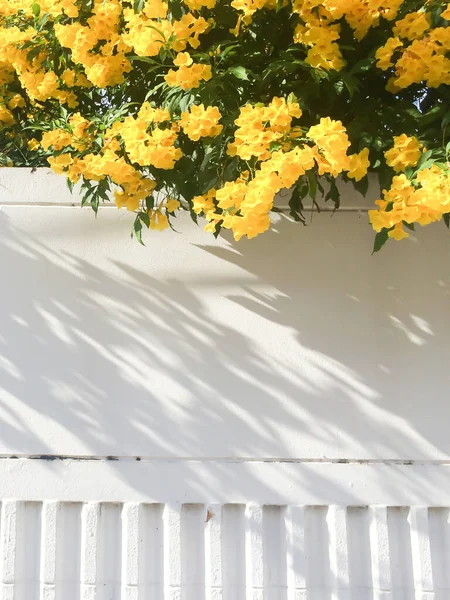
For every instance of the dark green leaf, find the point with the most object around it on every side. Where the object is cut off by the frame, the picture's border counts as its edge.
(312, 184)
(145, 218)
(333, 194)
(380, 239)
(361, 186)
(69, 184)
(447, 220)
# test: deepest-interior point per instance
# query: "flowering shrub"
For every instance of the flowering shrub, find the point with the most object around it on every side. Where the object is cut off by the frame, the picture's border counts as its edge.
(215, 106)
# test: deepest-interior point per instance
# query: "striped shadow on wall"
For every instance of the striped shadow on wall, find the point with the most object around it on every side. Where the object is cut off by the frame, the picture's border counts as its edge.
(105, 551)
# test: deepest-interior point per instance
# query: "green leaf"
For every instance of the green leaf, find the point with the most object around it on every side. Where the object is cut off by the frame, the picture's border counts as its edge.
(380, 239)
(334, 195)
(217, 230)
(424, 158)
(138, 5)
(145, 218)
(433, 115)
(361, 186)
(95, 201)
(295, 203)
(409, 226)
(385, 178)
(35, 7)
(312, 184)
(291, 98)
(447, 220)
(69, 184)
(426, 165)
(137, 230)
(43, 21)
(239, 73)
(363, 65)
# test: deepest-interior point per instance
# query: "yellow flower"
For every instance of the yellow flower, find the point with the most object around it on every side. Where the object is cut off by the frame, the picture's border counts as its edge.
(201, 122)
(158, 221)
(183, 59)
(358, 165)
(188, 77)
(204, 204)
(405, 153)
(384, 54)
(398, 233)
(33, 144)
(16, 101)
(172, 205)
(412, 26)
(59, 163)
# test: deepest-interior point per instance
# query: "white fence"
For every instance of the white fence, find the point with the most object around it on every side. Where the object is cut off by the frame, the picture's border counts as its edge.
(231, 552)
(294, 385)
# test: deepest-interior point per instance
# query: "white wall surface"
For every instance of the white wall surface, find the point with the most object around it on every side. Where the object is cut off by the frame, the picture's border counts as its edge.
(298, 344)
(294, 369)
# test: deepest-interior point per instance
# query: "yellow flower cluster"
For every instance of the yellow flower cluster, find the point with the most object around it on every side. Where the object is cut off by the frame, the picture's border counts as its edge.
(421, 51)
(148, 144)
(405, 153)
(201, 122)
(260, 126)
(422, 200)
(331, 150)
(151, 29)
(189, 74)
(39, 83)
(319, 27)
(244, 205)
(423, 203)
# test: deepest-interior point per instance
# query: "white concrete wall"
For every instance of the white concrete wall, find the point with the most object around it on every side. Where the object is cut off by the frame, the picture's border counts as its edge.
(294, 369)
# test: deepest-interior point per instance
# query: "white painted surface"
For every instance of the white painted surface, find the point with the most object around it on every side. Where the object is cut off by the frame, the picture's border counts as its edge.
(163, 552)
(296, 344)
(286, 378)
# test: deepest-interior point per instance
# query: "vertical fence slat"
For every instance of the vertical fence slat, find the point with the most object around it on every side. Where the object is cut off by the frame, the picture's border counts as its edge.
(380, 553)
(152, 559)
(338, 552)
(8, 549)
(131, 523)
(193, 551)
(28, 551)
(50, 513)
(172, 553)
(213, 553)
(233, 552)
(254, 552)
(68, 551)
(89, 542)
(274, 553)
(420, 549)
(295, 555)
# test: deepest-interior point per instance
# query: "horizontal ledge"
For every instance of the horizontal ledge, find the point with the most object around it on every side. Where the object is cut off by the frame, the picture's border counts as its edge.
(282, 209)
(175, 481)
(225, 459)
